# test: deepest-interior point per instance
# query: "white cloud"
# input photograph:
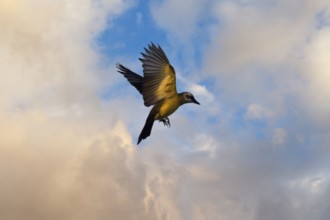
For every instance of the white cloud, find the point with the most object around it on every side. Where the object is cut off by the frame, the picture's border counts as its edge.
(316, 67)
(206, 144)
(180, 18)
(279, 136)
(314, 185)
(202, 92)
(55, 140)
(255, 111)
(46, 52)
(258, 35)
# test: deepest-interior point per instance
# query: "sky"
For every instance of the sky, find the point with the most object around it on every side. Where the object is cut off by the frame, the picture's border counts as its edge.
(257, 147)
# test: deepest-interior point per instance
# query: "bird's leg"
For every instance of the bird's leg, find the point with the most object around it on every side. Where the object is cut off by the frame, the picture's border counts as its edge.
(166, 121)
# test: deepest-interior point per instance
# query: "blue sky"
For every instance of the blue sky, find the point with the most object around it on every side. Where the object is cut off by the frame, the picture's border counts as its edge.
(256, 148)
(128, 32)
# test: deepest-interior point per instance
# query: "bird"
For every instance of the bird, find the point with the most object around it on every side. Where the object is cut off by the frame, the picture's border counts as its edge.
(157, 86)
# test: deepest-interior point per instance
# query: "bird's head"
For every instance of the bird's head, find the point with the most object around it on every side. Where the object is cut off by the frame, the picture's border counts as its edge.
(189, 98)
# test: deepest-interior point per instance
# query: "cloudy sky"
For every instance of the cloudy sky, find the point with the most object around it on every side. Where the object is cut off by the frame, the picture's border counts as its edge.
(257, 148)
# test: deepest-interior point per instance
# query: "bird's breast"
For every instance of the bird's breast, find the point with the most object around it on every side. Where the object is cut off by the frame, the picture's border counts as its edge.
(168, 107)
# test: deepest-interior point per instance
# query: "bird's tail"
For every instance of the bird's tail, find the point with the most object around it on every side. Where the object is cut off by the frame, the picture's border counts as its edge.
(135, 79)
(147, 128)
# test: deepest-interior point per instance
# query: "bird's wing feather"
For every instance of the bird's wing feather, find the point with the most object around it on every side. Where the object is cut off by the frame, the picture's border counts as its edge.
(135, 79)
(159, 76)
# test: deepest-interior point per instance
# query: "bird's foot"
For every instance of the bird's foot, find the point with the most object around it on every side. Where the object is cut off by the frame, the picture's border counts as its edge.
(166, 121)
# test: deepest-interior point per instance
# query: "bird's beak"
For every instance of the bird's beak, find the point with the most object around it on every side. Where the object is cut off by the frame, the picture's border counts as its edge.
(195, 101)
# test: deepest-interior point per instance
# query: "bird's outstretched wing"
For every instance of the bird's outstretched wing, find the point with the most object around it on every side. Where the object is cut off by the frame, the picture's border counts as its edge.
(133, 78)
(159, 76)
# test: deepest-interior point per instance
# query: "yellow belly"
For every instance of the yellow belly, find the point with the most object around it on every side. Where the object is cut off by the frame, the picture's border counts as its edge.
(168, 107)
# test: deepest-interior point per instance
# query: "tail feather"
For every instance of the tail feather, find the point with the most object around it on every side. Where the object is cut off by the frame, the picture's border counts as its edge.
(146, 131)
(133, 78)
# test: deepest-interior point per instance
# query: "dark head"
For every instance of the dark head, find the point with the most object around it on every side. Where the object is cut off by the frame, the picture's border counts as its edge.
(188, 98)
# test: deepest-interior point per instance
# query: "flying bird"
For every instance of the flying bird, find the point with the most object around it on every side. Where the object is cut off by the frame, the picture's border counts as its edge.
(157, 86)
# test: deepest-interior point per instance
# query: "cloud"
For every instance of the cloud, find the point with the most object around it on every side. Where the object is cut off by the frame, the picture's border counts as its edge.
(54, 131)
(255, 111)
(183, 19)
(316, 67)
(46, 48)
(254, 34)
(280, 136)
(67, 153)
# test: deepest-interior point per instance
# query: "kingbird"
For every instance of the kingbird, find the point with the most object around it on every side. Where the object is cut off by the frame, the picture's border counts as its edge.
(157, 86)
